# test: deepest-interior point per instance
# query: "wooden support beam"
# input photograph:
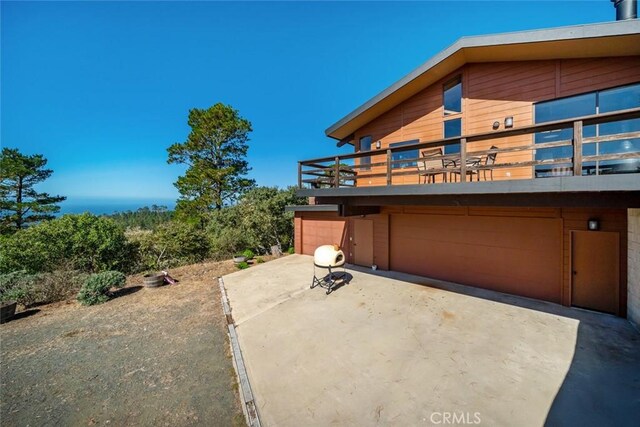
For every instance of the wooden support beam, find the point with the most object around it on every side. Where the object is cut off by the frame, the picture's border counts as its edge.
(389, 167)
(577, 148)
(463, 159)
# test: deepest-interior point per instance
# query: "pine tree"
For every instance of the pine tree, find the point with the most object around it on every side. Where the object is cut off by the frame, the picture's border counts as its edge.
(215, 152)
(20, 204)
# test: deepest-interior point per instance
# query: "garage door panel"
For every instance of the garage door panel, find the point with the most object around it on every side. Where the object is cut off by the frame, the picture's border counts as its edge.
(514, 255)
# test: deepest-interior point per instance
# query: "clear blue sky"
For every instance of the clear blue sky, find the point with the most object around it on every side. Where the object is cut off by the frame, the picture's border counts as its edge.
(101, 89)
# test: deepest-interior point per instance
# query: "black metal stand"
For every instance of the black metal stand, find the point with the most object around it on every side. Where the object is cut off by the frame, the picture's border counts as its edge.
(328, 281)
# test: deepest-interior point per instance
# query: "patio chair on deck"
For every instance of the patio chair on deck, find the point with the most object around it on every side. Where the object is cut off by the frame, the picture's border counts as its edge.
(490, 160)
(430, 165)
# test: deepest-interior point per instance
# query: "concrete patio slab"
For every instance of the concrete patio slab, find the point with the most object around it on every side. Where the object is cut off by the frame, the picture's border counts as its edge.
(395, 349)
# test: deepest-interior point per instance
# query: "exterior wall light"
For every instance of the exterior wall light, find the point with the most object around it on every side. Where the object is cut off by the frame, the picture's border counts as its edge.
(378, 145)
(508, 122)
(496, 125)
(593, 224)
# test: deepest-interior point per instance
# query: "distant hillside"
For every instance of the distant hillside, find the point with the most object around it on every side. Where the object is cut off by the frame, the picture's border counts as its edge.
(146, 218)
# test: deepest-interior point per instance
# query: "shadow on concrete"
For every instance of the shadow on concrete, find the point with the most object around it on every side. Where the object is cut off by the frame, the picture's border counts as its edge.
(125, 291)
(341, 278)
(602, 386)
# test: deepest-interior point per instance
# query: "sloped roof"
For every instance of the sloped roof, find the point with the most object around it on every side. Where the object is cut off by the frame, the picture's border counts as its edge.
(619, 38)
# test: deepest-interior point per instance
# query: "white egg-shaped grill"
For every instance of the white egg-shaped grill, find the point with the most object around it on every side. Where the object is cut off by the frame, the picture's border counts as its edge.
(326, 256)
(329, 257)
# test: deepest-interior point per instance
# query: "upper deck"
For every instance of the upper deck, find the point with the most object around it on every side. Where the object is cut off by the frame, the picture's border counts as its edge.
(422, 168)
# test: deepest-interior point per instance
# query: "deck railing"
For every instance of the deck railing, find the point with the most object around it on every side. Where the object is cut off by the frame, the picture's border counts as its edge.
(346, 170)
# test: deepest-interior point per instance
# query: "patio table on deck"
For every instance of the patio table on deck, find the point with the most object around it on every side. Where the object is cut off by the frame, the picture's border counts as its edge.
(453, 162)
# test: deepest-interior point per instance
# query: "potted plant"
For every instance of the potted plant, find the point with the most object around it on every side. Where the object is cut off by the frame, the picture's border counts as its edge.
(9, 300)
(153, 280)
(238, 258)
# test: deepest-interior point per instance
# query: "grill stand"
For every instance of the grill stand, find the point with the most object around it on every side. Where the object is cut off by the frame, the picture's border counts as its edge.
(328, 281)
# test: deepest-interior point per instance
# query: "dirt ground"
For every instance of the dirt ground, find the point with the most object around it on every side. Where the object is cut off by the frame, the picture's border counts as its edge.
(148, 357)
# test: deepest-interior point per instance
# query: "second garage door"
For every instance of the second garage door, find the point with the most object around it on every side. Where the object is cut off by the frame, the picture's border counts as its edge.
(521, 256)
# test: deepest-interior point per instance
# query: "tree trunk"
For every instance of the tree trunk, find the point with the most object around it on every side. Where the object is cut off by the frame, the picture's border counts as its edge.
(19, 204)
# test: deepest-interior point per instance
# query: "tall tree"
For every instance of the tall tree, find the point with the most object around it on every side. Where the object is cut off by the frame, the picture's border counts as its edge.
(20, 203)
(215, 152)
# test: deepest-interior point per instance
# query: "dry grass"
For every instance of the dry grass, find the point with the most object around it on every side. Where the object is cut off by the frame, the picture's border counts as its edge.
(151, 356)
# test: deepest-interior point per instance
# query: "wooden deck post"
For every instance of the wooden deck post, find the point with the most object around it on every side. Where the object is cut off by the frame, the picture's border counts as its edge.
(336, 173)
(577, 148)
(389, 166)
(463, 159)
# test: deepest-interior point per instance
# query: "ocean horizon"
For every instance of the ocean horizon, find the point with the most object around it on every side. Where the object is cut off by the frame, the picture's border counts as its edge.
(107, 206)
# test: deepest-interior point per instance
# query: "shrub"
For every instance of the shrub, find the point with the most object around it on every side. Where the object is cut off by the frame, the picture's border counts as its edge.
(248, 253)
(58, 285)
(226, 238)
(83, 242)
(30, 289)
(242, 265)
(291, 250)
(257, 221)
(96, 288)
(171, 244)
(259, 260)
(17, 286)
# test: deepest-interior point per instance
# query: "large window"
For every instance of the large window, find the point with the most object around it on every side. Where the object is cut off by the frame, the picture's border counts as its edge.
(365, 145)
(603, 101)
(452, 104)
(452, 97)
(409, 155)
(452, 128)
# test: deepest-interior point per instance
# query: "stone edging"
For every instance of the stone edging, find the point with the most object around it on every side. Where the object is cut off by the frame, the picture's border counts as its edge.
(248, 403)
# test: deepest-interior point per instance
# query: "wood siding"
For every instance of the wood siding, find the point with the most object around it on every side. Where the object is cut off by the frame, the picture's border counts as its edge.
(316, 229)
(491, 92)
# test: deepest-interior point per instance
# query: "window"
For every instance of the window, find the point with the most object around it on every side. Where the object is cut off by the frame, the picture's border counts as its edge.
(452, 104)
(365, 145)
(410, 155)
(452, 128)
(603, 101)
(618, 99)
(452, 97)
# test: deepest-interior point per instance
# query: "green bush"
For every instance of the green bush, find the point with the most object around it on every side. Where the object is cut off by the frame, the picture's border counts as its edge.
(242, 265)
(171, 244)
(259, 260)
(248, 253)
(96, 288)
(226, 238)
(80, 242)
(257, 221)
(291, 250)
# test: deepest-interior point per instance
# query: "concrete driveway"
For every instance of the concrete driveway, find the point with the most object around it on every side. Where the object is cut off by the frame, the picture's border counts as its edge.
(395, 349)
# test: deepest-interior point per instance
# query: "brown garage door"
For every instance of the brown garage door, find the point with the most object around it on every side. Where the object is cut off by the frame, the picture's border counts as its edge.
(317, 232)
(520, 256)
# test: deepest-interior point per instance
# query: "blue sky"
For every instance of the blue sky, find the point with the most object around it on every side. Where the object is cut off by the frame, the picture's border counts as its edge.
(102, 89)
